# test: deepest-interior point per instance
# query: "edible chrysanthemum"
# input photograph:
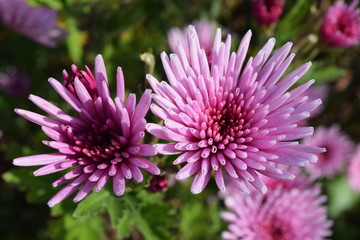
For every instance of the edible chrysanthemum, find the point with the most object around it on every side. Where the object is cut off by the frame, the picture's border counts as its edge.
(284, 213)
(230, 119)
(102, 142)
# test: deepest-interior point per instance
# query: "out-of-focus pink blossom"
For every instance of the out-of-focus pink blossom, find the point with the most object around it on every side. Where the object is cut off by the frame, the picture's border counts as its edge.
(14, 83)
(353, 171)
(341, 25)
(294, 213)
(206, 32)
(232, 117)
(158, 184)
(36, 23)
(267, 12)
(338, 147)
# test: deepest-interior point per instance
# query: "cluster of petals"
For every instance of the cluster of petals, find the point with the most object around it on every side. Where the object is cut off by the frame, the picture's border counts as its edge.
(205, 30)
(102, 142)
(232, 117)
(284, 213)
(36, 23)
(14, 82)
(341, 25)
(353, 171)
(267, 12)
(338, 149)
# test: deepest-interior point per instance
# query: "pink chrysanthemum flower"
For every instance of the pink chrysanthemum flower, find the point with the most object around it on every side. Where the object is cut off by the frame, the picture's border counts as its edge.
(267, 12)
(14, 83)
(353, 171)
(225, 117)
(338, 147)
(36, 23)
(282, 214)
(206, 32)
(102, 142)
(341, 25)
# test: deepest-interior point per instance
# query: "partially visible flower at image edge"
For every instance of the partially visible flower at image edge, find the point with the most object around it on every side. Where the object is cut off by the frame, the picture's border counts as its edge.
(36, 23)
(294, 213)
(353, 170)
(102, 142)
(338, 149)
(341, 25)
(221, 118)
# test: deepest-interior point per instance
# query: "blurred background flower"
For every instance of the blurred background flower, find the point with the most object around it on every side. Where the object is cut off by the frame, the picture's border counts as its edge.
(267, 12)
(36, 23)
(293, 213)
(14, 83)
(338, 149)
(341, 25)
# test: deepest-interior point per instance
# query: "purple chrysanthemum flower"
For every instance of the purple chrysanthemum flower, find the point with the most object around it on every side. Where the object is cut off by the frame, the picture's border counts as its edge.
(206, 32)
(353, 171)
(223, 117)
(341, 25)
(14, 83)
(102, 142)
(282, 214)
(338, 147)
(267, 12)
(37, 23)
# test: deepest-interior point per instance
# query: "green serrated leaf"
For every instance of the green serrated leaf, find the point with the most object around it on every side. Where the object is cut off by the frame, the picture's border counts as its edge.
(141, 224)
(115, 209)
(123, 228)
(92, 204)
(89, 228)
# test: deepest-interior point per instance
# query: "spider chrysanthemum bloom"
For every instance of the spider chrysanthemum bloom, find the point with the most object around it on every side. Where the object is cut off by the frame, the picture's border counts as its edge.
(280, 214)
(232, 119)
(341, 25)
(37, 23)
(102, 142)
(338, 147)
(353, 171)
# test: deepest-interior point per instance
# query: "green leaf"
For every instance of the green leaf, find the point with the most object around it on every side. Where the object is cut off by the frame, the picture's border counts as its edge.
(75, 40)
(322, 73)
(141, 224)
(115, 209)
(92, 204)
(89, 228)
(38, 189)
(123, 228)
(288, 27)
